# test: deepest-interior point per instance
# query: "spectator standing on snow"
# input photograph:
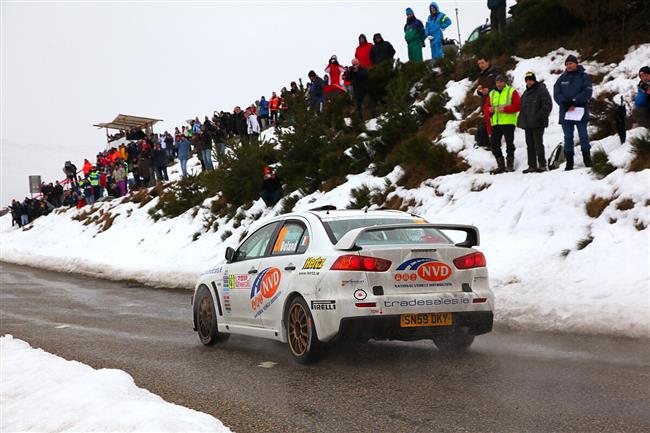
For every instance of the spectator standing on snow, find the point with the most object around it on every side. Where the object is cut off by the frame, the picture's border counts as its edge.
(253, 124)
(362, 53)
(382, 51)
(316, 91)
(239, 122)
(160, 163)
(641, 110)
(274, 108)
(271, 188)
(335, 73)
(169, 146)
(264, 113)
(358, 75)
(497, 15)
(119, 176)
(536, 106)
(414, 36)
(502, 107)
(436, 23)
(93, 178)
(572, 92)
(183, 145)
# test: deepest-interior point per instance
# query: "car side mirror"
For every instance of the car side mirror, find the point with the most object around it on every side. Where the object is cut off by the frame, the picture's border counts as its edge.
(230, 254)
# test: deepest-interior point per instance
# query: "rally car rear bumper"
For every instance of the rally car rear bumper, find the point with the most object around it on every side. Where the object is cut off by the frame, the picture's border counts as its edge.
(388, 327)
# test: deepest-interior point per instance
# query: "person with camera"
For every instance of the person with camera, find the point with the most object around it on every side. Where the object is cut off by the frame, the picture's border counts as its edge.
(641, 111)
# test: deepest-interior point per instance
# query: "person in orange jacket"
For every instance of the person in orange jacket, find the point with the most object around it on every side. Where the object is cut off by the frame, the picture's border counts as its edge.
(87, 168)
(274, 107)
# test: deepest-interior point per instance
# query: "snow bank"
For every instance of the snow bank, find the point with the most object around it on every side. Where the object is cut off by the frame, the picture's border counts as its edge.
(535, 230)
(43, 392)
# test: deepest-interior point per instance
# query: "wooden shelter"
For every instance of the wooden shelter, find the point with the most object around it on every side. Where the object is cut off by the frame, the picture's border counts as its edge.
(126, 123)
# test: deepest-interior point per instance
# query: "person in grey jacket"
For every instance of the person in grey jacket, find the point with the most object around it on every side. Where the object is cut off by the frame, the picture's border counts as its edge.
(536, 106)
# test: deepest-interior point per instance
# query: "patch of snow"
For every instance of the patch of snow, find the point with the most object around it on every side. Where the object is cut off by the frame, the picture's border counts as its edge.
(43, 392)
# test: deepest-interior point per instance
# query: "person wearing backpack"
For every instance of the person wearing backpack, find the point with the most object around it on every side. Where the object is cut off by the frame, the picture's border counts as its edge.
(501, 107)
(536, 106)
(572, 92)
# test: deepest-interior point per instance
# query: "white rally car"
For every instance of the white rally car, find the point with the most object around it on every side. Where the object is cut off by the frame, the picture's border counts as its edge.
(307, 278)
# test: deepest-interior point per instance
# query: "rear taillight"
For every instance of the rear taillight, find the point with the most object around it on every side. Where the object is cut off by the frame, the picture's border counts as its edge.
(360, 263)
(474, 260)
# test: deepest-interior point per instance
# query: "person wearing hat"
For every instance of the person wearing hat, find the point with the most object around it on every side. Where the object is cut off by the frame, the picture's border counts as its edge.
(641, 110)
(501, 107)
(536, 106)
(362, 52)
(436, 23)
(573, 91)
(381, 51)
(335, 81)
(414, 36)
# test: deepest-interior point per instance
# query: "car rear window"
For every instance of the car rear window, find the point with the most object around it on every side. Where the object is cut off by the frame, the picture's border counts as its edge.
(396, 236)
(339, 227)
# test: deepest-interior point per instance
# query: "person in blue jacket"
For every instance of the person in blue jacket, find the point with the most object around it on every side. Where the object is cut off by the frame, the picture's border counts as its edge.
(264, 112)
(573, 90)
(436, 23)
(184, 148)
(641, 111)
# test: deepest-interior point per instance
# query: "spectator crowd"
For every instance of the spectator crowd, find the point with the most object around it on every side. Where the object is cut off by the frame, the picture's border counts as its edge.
(143, 160)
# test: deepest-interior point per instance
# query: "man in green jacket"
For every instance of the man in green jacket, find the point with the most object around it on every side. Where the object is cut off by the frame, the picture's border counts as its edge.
(414, 35)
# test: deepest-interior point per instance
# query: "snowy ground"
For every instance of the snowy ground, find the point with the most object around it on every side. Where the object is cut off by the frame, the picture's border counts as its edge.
(530, 225)
(43, 392)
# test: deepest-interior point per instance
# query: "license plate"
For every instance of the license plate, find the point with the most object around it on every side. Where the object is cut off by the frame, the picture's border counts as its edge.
(425, 319)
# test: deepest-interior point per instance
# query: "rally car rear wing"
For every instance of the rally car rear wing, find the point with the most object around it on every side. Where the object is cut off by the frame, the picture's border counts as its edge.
(349, 241)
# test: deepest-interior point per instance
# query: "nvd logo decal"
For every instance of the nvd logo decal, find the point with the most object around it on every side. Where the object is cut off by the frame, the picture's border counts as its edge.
(265, 287)
(426, 269)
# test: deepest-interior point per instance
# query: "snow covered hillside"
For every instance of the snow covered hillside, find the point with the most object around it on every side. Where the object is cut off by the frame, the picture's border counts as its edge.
(552, 266)
(43, 392)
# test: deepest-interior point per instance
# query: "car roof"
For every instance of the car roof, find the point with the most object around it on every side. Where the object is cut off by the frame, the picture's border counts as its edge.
(331, 214)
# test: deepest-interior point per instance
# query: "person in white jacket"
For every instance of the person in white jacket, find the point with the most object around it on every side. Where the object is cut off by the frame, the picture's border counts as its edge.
(253, 124)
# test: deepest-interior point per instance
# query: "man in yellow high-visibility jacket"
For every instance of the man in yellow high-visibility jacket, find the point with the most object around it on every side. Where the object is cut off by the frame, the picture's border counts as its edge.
(503, 105)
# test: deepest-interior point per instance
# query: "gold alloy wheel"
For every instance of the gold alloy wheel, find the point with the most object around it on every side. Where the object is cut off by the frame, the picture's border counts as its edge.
(298, 329)
(205, 316)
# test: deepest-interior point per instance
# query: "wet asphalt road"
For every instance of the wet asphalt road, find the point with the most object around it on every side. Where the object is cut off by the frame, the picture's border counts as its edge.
(509, 382)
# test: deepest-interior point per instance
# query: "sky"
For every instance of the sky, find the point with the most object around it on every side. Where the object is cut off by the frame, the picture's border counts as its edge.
(68, 65)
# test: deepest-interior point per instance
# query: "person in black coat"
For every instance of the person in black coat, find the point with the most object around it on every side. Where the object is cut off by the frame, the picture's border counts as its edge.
(359, 78)
(536, 106)
(239, 122)
(381, 51)
(160, 163)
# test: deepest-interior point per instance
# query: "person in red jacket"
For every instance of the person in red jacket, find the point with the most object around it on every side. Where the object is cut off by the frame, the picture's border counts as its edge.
(335, 81)
(362, 53)
(87, 168)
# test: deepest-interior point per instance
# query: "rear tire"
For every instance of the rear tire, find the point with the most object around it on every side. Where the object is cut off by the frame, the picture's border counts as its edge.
(301, 333)
(457, 341)
(205, 319)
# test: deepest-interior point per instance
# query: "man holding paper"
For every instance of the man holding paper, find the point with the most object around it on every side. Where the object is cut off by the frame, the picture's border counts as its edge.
(572, 92)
